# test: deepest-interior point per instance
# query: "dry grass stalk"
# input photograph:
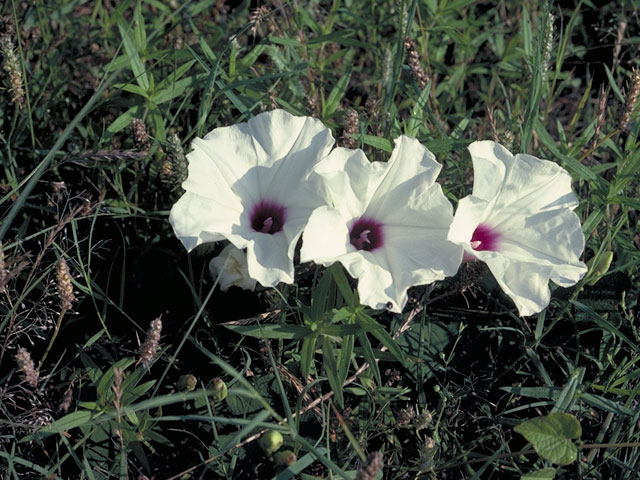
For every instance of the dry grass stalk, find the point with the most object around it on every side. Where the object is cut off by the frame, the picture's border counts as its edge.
(491, 120)
(622, 27)
(602, 110)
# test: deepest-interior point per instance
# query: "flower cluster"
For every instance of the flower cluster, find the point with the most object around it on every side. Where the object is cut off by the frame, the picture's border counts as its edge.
(263, 184)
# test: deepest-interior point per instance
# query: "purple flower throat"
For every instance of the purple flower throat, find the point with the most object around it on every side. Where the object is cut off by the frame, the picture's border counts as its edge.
(366, 234)
(268, 217)
(485, 238)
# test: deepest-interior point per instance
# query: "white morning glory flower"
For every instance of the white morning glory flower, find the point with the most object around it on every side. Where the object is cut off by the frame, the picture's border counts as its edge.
(387, 223)
(247, 183)
(519, 220)
(231, 269)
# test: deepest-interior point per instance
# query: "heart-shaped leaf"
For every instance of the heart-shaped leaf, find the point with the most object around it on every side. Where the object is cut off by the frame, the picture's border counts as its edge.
(552, 435)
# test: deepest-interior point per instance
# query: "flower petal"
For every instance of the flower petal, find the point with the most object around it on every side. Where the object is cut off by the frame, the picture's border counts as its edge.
(268, 260)
(375, 283)
(470, 213)
(410, 167)
(326, 237)
(350, 179)
(527, 205)
(526, 283)
(249, 183)
(198, 220)
(402, 200)
(522, 183)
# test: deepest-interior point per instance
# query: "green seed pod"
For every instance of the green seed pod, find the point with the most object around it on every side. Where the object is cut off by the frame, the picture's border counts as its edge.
(284, 458)
(270, 441)
(218, 390)
(186, 383)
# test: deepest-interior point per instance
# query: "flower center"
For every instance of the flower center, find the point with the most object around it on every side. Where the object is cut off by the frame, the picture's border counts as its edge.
(268, 217)
(366, 234)
(485, 238)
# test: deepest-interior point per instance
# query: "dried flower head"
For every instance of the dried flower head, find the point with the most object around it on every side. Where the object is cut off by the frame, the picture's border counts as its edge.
(66, 399)
(140, 135)
(12, 68)
(632, 100)
(370, 469)
(351, 126)
(548, 45)
(25, 363)
(150, 346)
(65, 288)
(256, 18)
(415, 65)
(174, 167)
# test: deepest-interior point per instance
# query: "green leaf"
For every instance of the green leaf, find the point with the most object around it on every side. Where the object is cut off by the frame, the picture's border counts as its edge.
(343, 283)
(286, 332)
(552, 435)
(336, 95)
(544, 474)
(331, 368)
(73, 420)
(369, 324)
(320, 298)
(137, 66)
(370, 357)
(307, 355)
(377, 142)
(344, 357)
(422, 345)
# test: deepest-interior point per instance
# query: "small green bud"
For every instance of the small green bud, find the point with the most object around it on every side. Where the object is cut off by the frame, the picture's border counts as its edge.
(218, 390)
(599, 269)
(186, 383)
(284, 458)
(271, 441)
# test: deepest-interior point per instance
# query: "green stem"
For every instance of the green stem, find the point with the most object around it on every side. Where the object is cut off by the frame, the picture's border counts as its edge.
(55, 334)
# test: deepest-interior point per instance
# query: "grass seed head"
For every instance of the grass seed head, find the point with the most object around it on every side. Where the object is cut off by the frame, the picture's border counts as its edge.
(632, 100)
(370, 469)
(417, 70)
(150, 346)
(351, 126)
(25, 363)
(140, 135)
(65, 288)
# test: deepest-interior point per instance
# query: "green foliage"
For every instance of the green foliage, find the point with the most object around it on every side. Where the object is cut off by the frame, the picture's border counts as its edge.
(552, 436)
(544, 474)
